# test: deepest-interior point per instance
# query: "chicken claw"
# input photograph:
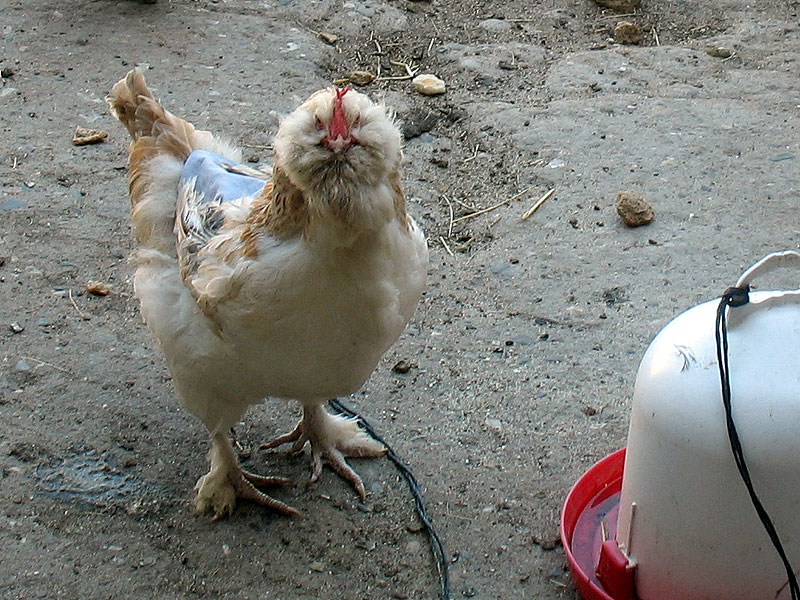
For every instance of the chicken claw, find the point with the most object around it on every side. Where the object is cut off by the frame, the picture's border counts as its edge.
(226, 481)
(333, 438)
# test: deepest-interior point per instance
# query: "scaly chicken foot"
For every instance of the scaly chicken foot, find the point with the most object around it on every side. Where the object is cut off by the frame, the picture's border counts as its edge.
(333, 438)
(226, 481)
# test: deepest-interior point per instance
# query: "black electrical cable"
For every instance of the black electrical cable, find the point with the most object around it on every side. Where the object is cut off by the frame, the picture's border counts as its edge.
(437, 546)
(734, 297)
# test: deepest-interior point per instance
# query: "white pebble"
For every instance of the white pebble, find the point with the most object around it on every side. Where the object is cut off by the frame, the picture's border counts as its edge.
(427, 84)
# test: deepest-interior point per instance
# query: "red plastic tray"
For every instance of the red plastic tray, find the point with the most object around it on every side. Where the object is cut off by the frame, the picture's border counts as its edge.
(588, 518)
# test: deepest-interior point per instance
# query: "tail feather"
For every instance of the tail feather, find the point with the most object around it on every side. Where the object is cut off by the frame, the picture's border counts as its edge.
(132, 102)
(161, 142)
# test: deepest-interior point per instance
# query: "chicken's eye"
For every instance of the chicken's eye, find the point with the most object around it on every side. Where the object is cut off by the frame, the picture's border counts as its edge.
(356, 121)
(318, 123)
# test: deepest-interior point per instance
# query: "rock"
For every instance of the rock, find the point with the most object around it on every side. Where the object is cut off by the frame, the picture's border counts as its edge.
(16, 327)
(328, 38)
(619, 5)
(22, 366)
(495, 25)
(634, 209)
(98, 288)
(361, 77)
(428, 84)
(414, 527)
(494, 424)
(7, 91)
(719, 52)
(628, 33)
(402, 366)
(82, 136)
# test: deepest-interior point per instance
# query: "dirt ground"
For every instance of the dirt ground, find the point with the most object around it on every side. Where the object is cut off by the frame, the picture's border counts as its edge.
(524, 349)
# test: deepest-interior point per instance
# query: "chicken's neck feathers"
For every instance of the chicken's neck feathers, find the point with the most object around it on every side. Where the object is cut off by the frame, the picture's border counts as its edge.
(334, 214)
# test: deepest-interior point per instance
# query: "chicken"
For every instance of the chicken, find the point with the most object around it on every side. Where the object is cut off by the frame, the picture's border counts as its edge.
(290, 286)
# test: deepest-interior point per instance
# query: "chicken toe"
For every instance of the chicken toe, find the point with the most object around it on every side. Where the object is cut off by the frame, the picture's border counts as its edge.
(226, 481)
(333, 438)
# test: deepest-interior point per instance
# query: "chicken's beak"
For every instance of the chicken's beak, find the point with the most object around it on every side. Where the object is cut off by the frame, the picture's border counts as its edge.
(339, 145)
(339, 138)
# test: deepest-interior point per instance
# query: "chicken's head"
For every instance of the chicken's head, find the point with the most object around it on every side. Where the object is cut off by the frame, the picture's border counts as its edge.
(340, 139)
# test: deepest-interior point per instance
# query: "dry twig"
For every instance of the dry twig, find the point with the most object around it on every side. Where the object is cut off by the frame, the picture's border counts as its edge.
(83, 315)
(538, 203)
(493, 207)
(615, 16)
(474, 154)
(411, 72)
(446, 247)
(450, 224)
(47, 364)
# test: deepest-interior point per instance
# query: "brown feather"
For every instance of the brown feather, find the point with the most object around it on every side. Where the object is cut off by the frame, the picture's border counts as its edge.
(399, 200)
(279, 210)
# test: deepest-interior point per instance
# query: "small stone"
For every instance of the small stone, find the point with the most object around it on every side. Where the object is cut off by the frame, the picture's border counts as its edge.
(98, 288)
(328, 38)
(634, 209)
(7, 91)
(495, 25)
(413, 547)
(317, 567)
(619, 5)
(16, 327)
(546, 543)
(361, 77)
(414, 527)
(719, 52)
(6, 72)
(83, 136)
(494, 424)
(428, 84)
(628, 33)
(442, 163)
(22, 366)
(402, 366)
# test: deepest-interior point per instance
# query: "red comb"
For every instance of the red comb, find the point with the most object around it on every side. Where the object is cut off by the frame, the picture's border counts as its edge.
(338, 127)
(341, 92)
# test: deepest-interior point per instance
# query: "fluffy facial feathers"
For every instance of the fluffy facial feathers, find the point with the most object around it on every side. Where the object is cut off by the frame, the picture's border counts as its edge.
(300, 149)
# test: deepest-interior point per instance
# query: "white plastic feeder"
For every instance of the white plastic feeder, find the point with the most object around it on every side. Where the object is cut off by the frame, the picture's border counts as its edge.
(684, 527)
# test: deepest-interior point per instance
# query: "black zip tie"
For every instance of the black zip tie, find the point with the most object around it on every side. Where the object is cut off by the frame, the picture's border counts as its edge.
(437, 546)
(739, 296)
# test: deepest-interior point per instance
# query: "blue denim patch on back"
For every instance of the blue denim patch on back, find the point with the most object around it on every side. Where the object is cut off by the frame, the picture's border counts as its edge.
(215, 181)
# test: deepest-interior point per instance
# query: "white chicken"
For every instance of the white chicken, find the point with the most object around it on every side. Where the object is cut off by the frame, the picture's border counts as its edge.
(291, 288)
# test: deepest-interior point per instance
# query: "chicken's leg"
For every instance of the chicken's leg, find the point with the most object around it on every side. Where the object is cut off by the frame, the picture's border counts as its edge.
(218, 489)
(333, 438)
